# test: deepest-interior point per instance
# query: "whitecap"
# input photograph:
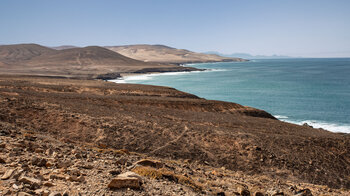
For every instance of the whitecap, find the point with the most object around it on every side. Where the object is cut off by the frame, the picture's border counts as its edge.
(126, 79)
(119, 80)
(281, 117)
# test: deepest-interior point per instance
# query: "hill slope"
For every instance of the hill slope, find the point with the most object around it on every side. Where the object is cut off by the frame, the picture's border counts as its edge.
(165, 54)
(163, 122)
(20, 52)
(88, 62)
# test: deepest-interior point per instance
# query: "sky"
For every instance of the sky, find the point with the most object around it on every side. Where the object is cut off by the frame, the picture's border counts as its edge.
(305, 28)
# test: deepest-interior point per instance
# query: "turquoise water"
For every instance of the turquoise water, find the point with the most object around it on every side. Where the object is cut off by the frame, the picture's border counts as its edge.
(313, 91)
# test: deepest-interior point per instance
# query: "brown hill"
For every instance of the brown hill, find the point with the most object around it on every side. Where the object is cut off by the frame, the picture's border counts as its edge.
(163, 122)
(165, 54)
(21, 52)
(88, 62)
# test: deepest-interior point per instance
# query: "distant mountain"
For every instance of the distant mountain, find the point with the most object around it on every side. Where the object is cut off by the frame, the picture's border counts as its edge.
(87, 62)
(249, 56)
(21, 52)
(166, 54)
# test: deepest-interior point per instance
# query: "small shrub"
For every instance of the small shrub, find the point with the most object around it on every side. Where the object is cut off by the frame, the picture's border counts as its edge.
(166, 174)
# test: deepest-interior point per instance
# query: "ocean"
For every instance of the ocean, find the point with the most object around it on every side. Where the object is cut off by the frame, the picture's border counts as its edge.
(315, 91)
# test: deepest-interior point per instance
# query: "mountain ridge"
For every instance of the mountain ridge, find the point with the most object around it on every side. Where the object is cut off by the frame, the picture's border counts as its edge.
(87, 62)
(159, 53)
(165, 54)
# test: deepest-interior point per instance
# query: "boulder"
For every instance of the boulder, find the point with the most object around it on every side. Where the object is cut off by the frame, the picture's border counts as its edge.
(126, 180)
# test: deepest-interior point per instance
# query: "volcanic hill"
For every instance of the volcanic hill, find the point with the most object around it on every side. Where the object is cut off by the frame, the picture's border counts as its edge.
(166, 54)
(88, 62)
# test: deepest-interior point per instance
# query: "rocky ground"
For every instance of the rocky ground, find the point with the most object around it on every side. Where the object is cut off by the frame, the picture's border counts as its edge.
(86, 137)
(36, 164)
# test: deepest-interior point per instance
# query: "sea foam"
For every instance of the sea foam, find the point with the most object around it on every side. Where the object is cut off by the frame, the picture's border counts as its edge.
(141, 77)
(343, 128)
(281, 117)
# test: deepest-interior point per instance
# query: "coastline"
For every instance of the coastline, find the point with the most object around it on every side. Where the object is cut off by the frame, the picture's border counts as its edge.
(123, 76)
(163, 123)
(328, 126)
(335, 127)
(185, 65)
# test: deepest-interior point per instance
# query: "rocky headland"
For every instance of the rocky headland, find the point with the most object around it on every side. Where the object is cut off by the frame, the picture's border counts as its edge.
(88, 137)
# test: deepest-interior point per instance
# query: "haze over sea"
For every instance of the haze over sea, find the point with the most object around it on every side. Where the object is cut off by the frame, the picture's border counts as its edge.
(313, 91)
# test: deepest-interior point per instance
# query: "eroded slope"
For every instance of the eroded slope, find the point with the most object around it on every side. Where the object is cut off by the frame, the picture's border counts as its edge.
(166, 123)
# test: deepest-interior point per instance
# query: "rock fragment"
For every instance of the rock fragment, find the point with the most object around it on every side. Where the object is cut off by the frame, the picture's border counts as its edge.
(2, 160)
(259, 194)
(35, 183)
(55, 194)
(49, 184)
(23, 194)
(42, 192)
(126, 180)
(114, 172)
(40, 162)
(8, 174)
(304, 192)
(274, 192)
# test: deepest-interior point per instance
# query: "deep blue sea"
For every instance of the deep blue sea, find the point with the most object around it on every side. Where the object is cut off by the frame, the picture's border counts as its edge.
(313, 91)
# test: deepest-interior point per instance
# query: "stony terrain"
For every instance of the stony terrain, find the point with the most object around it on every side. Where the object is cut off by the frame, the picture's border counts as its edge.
(166, 54)
(90, 62)
(86, 136)
(33, 163)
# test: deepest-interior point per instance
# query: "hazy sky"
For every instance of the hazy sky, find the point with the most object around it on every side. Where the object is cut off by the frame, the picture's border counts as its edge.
(314, 28)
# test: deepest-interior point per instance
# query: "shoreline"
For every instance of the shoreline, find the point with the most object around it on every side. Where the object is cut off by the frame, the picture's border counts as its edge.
(328, 126)
(131, 74)
(165, 124)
